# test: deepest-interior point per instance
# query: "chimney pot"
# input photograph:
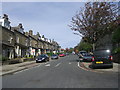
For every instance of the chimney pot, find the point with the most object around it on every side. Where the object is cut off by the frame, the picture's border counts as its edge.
(30, 32)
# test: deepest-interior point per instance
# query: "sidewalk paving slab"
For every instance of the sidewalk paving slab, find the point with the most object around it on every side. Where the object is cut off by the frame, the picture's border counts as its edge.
(114, 69)
(8, 69)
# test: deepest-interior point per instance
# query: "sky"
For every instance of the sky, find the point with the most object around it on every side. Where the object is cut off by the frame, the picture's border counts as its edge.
(50, 19)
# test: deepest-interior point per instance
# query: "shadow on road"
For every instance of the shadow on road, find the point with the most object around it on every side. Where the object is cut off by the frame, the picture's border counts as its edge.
(74, 60)
(98, 67)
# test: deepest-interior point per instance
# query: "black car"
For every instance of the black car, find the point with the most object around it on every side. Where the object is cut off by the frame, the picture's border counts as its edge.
(86, 57)
(54, 56)
(43, 57)
(102, 58)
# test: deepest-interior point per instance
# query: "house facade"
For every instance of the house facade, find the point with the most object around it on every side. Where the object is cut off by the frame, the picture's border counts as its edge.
(7, 38)
(21, 41)
(18, 43)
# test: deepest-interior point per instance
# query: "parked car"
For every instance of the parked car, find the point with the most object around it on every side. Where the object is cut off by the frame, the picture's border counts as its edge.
(81, 52)
(86, 57)
(102, 58)
(61, 55)
(66, 54)
(43, 57)
(54, 56)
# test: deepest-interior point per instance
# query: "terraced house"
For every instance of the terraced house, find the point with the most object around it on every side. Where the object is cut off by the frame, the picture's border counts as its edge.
(7, 38)
(18, 43)
(21, 41)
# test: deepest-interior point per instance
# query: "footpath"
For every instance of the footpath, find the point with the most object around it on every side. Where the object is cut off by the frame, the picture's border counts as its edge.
(115, 68)
(9, 69)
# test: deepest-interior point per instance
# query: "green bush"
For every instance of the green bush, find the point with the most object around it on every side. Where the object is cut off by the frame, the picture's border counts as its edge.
(0, 57)
(5, 58)
(49, 54)
(59, 53)
(116, 50)
(26, 56)
(84, 46)
(31, 56)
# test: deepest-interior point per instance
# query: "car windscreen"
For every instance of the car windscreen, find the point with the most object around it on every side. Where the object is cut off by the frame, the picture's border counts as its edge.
(54, 55)
(102, 53)
(82, 53)
(86, 54)
(41, 56)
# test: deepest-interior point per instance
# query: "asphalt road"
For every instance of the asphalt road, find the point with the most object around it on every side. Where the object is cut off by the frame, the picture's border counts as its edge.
(61, 73)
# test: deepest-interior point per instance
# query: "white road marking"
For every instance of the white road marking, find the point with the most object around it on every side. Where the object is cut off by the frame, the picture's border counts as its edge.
(47, 65)
(57, 64)
(27, 69)
(20, 71)
(37, 66)
(69, 62)
(46, 62)
(81, 67)
(78, 64)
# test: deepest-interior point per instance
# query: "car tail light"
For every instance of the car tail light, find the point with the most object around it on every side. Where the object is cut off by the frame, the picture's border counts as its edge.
(93, 59)
(111, 57)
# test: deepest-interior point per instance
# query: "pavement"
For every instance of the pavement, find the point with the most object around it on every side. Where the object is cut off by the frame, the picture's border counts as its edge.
(8, 69)
(61, 73)
(87, 65)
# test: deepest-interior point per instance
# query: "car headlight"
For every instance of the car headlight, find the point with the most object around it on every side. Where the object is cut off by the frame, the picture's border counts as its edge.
(108, 51)
(43, 58)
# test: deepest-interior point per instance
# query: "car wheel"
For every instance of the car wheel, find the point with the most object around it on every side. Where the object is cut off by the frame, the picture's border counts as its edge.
(93, 67)
(111, 66)
(36, 61)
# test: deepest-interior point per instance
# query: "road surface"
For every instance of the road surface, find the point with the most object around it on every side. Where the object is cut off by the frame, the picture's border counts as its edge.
(62, 73)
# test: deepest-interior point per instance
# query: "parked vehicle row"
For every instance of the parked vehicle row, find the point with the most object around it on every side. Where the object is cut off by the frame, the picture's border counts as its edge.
(99, 58)
(45, 57)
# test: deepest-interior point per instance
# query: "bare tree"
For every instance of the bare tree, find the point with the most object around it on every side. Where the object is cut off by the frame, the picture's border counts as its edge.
(95, 20)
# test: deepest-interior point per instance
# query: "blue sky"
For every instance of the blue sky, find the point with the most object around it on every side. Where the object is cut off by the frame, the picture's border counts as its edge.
(48, 18)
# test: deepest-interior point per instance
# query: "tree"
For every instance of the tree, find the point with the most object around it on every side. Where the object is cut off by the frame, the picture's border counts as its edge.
(95, 20)
(84, 46)
(116, 40)
(116, 36)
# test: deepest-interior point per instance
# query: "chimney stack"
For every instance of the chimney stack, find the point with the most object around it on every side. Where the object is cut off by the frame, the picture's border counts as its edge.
(5, 16)
(30, 32)
(26, 33)
(20, 25)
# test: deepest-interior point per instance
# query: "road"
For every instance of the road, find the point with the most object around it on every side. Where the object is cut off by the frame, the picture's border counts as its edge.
(61, 73)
